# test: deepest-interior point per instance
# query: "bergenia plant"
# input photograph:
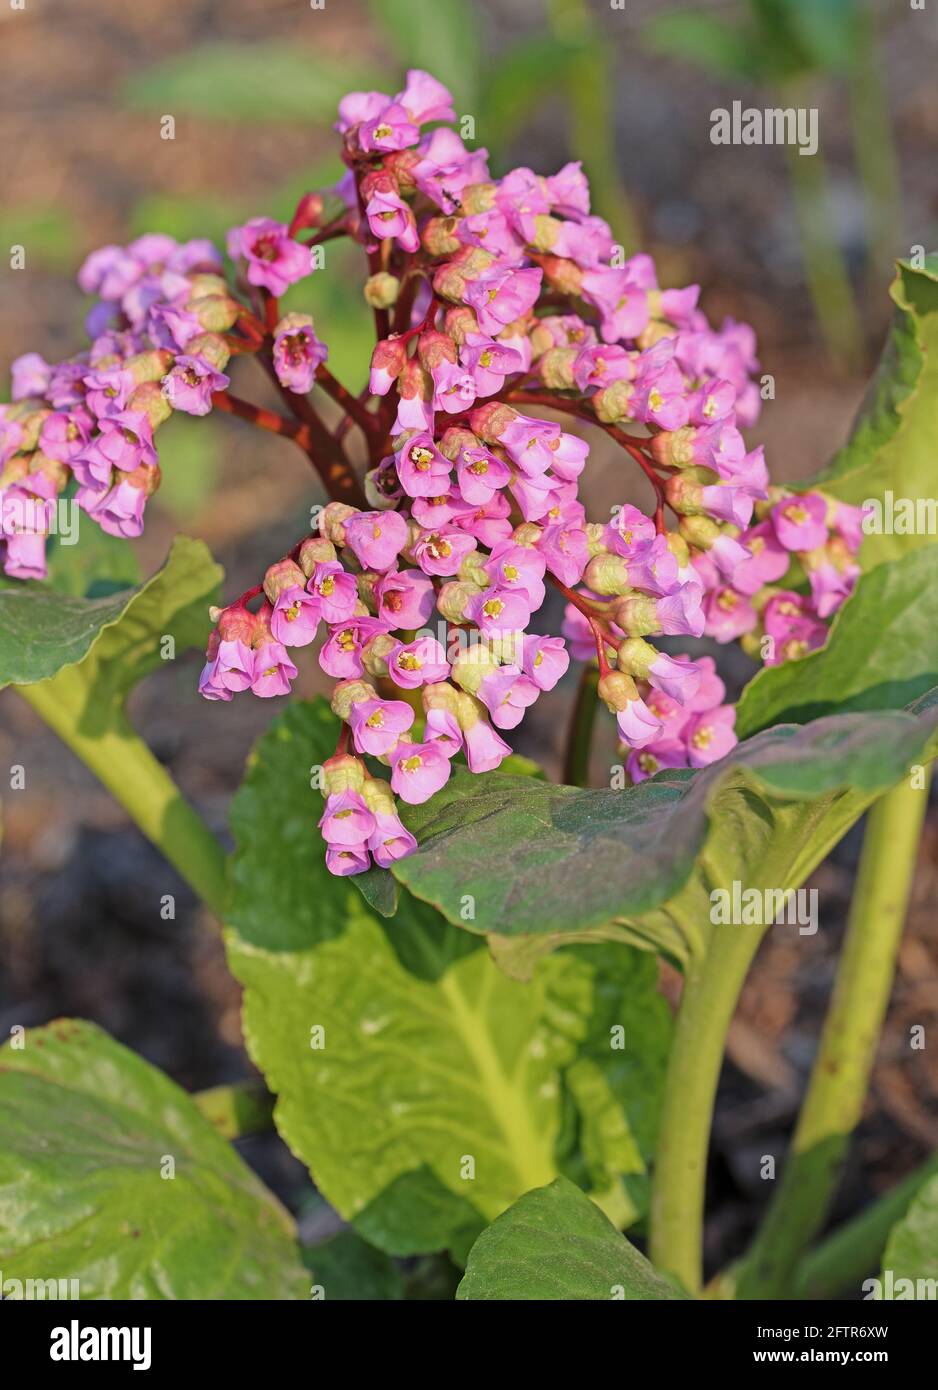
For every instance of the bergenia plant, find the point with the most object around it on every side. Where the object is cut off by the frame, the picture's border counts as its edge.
(512, 337)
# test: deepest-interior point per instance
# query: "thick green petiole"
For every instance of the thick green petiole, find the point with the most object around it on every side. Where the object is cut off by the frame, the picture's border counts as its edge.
(840, 1077)
(118, 756)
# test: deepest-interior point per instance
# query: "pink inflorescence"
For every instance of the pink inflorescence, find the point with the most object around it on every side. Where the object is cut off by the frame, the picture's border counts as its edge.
(494, 300)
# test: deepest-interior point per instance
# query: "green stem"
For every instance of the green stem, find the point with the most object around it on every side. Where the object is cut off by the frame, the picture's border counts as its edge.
(122, 761)
(580, 737)
(839, 1264)
(826, 271)
(246, 1107)
(839, 1079)
(711, 989)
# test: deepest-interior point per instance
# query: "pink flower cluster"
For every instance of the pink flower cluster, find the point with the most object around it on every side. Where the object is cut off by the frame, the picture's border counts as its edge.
(494, 300)
(160, 341)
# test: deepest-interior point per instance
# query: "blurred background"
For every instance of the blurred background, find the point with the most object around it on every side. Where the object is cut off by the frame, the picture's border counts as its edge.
(800, 247)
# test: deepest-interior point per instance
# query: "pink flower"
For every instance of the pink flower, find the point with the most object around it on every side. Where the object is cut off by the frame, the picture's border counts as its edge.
(273, 670)
(768, 561)
(485, 749)
(120, 512)
(801, 522)
(679, 679)
(419, 770)
(499, 297)
(417, 663)
(342, 862)
(544, 660)
(506, 694)
(295, 619)
(346, 822)
(654, 758)
(389, 841)
(376, 538)
(341, 656)
(728, 614)
(518, 568)
(378, 724)
(499, 610)
(389, 216)
(637, 724)
(297, 353)
(274, 260)
(335, 589)
(230, 671)
(405, 598)
(190, 384)
(442, 552)
(422, 469)
(29, 376)
(480, 474)
(710, 736)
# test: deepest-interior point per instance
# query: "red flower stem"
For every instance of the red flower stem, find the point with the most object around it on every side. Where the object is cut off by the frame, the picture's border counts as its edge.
(588, 608)
(342, 744)
(271, 311)
(257, 415)
(337, 228)
(352, 405)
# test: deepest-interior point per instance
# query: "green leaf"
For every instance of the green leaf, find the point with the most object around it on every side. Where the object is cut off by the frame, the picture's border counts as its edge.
(912, 1249)
(716, 45)
(271, 81)
(348, 1269)
(441, 36)
(552, 862)
(429, 1055)
(118, 636)
(897, 606)
(555, 1244)
(89, 1130)
(891, 448)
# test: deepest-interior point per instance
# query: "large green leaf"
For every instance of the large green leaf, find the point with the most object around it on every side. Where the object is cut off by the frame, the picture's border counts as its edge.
(436, 1095)
(109, 1174)
(117, 638)
(555, 1244)
(892, 447)
(535, 860)
(270, 81)
(881, 654)
(347, 1268)
(912, 1249)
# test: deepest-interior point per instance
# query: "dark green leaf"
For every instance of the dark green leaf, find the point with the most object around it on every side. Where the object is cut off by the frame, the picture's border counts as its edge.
(110, 1175)
(554, 1244)
(347, 1268)
(912, 1249)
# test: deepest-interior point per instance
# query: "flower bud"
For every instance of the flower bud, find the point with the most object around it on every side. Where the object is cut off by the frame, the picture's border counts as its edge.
(381, 290)
(434, 348)
(343, 773)
(556, 368)
(308, 212)
(472, 665)
(607, 574)
(612, 403)
(674, 448)
(388, 360)
(216, 313)
(375, 653)
(438, 236)
(212, 347)
(349, 693)
(490, 421)
(440, 695)
(314, 551)
(617, 691)
(285, 574)
(595, 538)
(414, 382)
(459, 322)
(637, 614)
(330, 521)
(678, 548)
(453, 598)
(471, 569)
(478, 197)
(382, 487)
(149, 366)
(378, 796)
(653, 333)
(563, 275)
(150, 400)
(698, 531)
(636, 657)
(527, 533)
